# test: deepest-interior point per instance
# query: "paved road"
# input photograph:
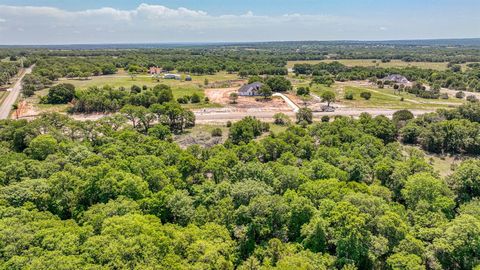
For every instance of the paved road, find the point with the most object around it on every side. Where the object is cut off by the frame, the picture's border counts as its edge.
(290, 103)
(217, 116)
(13, 94)
(222, 117)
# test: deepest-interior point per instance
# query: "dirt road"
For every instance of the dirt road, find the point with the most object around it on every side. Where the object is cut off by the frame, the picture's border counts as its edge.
(13, 94)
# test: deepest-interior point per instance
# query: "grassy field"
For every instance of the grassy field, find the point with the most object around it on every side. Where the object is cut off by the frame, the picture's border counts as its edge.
(277, 128)
(179, 88)
(140, 80)
(383, 98)
(378, 63)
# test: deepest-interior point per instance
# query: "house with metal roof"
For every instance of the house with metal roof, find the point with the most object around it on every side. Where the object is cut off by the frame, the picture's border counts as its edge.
(250, 89)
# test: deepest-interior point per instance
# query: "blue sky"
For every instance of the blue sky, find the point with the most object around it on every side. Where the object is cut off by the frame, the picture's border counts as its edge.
(121, 21)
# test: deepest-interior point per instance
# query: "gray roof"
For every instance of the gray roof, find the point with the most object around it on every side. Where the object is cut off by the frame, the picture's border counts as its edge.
(249, 87)
(397, 78)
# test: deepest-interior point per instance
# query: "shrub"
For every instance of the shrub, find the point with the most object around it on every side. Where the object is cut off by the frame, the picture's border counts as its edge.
(303, 91)
(182, 100)
(349, 95)
(428, 95)
(135, 89)
(326, 80)
(281, 119)
(217, 132)
(460, 95)
(195, 98)
(303, 123)
(402, 115)
(472, 98)
(325, 118)
(233, 97)
(366, 95)
(229, 124)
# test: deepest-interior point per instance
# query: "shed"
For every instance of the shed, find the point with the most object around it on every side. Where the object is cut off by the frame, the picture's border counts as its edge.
(172, 76)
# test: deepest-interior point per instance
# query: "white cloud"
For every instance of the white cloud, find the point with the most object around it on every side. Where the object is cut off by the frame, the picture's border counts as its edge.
(107, 11)
(150, 23)
(157, 12)
(157, 23)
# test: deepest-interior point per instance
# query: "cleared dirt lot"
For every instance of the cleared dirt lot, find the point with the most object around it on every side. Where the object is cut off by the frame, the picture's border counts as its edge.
(245, 104)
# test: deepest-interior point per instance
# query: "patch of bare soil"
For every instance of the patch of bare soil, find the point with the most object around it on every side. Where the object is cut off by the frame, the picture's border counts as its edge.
(301, 101)
(26, 110)
(245, 104)
(203, 139)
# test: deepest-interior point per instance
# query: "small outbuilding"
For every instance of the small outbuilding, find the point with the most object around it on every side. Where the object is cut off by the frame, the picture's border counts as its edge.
(250, 89)
(172, 76)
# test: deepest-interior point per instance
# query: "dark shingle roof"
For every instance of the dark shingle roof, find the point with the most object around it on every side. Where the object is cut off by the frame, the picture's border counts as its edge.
(249, 87)
(397, 78)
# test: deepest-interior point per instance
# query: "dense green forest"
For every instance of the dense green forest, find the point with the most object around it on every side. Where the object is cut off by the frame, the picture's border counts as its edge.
(7, 71)
(343, 194)
(245, 59)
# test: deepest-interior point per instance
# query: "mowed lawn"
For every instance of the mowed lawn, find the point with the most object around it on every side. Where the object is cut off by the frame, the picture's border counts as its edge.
(179, 88)
(377, 63)
(385, 98)
(127, 82)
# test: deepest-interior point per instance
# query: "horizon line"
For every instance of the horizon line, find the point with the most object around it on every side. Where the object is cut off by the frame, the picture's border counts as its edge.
(231, 42)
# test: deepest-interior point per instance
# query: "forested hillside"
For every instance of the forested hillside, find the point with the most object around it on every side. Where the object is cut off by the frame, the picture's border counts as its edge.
(333, 195)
